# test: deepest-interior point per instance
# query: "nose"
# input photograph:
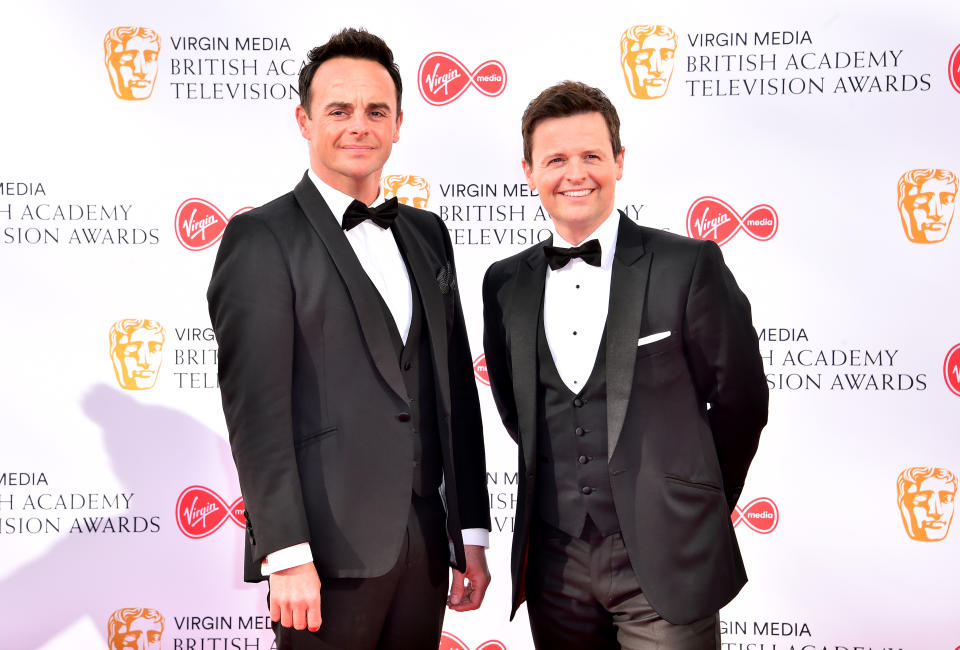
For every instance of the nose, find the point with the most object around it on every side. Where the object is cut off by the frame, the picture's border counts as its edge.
(576, 170)
(358, 123)
(934, 507)
(936, 208)
(138, 65)
(656, 64)
(142, 353)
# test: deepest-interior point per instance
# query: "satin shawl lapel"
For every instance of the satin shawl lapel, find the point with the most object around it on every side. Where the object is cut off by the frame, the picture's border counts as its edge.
(362, 294)
(424, 277)
(524, 316)
(628, 289)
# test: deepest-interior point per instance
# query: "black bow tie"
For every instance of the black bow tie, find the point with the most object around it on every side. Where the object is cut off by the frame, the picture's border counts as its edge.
(382, 215)
(589, 252)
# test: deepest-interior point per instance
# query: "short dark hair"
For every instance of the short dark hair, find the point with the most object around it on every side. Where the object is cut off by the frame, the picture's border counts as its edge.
(352, 44)
(563, 100)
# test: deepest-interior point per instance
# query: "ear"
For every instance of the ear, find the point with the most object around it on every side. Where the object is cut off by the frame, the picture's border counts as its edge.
(396, 129)
(303, 120)
(619, 162)
(528, 172)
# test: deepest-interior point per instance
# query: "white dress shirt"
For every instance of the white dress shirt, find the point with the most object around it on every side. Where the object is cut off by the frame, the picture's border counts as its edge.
(575, 302)
(381, 260)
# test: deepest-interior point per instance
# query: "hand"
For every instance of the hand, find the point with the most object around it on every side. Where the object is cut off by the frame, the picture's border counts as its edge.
(463, 598)
(295, 597)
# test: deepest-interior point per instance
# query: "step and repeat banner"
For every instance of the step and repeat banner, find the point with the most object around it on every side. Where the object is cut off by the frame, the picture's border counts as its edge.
(816, 144)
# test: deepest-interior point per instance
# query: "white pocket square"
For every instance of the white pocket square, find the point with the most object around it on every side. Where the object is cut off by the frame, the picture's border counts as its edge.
(652, 338)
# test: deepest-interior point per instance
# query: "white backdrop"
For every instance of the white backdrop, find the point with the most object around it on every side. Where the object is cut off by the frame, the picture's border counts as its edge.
(831, 563)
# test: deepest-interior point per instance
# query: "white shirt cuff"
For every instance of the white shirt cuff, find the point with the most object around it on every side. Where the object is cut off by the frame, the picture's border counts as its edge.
(286, 558)
(476, 537)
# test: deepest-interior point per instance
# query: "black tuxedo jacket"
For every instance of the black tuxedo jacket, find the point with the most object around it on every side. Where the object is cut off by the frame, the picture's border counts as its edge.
(676, 465)
(312, 390)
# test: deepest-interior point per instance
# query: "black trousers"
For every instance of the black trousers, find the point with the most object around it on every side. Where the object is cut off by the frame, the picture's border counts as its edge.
(582, 593)
(400, 610)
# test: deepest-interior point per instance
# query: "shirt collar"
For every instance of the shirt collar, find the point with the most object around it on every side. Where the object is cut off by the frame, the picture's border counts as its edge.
(336, 200)
(606, 234)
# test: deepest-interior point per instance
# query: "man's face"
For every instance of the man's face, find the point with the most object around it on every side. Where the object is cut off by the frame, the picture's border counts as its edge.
(411, 195)
(138, 356)
(574, 170)
(138, 634)
(135, 68)
(649, 63)
(927, 210)
(929, 509)
(353, 122)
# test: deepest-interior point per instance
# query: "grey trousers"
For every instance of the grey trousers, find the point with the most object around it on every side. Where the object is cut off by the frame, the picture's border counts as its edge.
(582, 593)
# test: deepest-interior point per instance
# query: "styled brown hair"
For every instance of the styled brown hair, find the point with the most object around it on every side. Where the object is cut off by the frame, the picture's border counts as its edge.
(562, 100)
(352, 44)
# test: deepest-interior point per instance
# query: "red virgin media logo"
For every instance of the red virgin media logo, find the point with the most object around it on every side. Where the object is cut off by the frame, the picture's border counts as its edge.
(201, 512)
(442, 78)
(200, 224)
(760, 515)
(954, 70)
(480, 369)
(450, 642)
(951, 369)
(715, 220)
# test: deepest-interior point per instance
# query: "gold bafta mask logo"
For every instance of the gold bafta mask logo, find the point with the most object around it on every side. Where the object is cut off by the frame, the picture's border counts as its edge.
(925, 496)
(409, 190)
(131, 56)
(136, 345)
(646, 56)
(135, 628)
(927, 198)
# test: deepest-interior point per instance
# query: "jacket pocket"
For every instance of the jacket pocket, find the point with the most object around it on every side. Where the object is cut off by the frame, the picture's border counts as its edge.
(313, 436)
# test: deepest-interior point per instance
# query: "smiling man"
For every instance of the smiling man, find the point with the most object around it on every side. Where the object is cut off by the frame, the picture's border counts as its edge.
(624, 363)
(347, 383)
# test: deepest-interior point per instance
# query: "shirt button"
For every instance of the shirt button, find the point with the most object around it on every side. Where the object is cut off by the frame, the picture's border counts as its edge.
(586, 489)
(403, 417)
(583, 460)
(577, 402)
(579, 431)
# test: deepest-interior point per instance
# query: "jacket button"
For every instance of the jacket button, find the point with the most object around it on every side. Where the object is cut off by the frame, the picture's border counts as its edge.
(586, 489)
(403, 417)
(579, 431)
(577, 402)
(406, 366)
(583, 460)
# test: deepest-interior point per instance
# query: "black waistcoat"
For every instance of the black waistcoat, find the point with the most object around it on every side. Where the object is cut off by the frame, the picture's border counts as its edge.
(416, 362)
(572, 476)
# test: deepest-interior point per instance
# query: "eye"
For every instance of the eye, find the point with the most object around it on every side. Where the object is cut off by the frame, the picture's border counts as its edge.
(555, 161)
(666, 55)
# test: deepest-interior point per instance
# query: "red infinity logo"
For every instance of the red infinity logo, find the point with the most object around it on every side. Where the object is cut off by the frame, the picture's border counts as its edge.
(450, 642)
(954, 69)
(480, 369)
(715, 220)
(442, 78)
(200, 224)
(201, 512)
(951, 369)
(760, 515)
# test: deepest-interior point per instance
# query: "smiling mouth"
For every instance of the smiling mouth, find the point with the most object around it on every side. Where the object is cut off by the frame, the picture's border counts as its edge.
(576, 193)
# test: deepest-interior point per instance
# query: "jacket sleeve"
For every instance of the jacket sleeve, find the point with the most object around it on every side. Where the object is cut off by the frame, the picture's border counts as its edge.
(497, 353)
(727, 367)
(251, 308)
(465, 421)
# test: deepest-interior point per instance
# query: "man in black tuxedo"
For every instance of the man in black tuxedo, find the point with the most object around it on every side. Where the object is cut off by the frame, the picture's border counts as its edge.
(624, 363)
(347, 382)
